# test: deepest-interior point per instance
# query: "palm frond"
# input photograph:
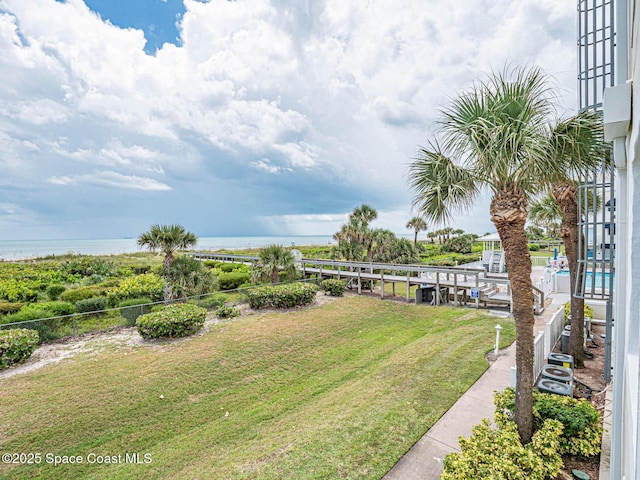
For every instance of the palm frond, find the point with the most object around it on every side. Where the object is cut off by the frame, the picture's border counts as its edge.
(440, 186)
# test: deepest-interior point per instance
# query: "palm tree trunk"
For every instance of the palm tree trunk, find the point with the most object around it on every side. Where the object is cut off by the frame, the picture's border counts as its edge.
(565, 194)
(509, 214)
(166, 263)
(415, 239)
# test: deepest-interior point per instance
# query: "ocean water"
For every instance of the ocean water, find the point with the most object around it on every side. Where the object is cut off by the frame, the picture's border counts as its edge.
(24, 249)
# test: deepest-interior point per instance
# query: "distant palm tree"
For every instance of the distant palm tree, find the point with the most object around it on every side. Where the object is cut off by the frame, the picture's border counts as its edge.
(272, 260)
(357, 229)
(167, 239)
(577, 146)
(495, 137)
(545, 213)
(418, 224)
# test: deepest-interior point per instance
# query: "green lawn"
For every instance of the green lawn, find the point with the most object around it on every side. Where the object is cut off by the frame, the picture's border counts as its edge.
(340, 391)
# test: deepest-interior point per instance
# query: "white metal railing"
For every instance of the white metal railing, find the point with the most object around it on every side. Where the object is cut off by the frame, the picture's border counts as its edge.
(538, 355)
(553, 330)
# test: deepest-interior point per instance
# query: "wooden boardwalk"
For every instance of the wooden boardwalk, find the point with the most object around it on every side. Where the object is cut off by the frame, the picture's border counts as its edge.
(459, 285)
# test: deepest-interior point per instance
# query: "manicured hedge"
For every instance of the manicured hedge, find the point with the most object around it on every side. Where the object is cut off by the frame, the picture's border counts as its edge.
(282, 296)
(232, 280)
(91, 304)
(334, 287)
(16, 345)
(177, 320)
(82, 293)
(10, 307)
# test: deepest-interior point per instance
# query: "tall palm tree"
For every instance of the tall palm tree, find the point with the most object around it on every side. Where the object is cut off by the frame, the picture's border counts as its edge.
(495, 137)
(577, 144)
(418, 224)
(167, 239)
(271, 260)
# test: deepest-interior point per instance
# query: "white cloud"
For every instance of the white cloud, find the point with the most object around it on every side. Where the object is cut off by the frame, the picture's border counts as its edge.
(111, 179)
(334, 93)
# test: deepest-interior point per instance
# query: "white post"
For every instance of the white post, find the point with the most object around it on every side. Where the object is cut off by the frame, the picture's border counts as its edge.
(498, 328)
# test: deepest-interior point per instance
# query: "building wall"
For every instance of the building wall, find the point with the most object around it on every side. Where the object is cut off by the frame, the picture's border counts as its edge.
(626, 427)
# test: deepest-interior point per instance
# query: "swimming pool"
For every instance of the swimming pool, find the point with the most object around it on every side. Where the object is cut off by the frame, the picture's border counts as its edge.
(561, 282)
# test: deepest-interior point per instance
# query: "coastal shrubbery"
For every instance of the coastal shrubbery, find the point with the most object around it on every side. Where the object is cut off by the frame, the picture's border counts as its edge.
(172, 321)
(91, 304)
(232, 280)
(334, 287)
(562, 425)
(282, 296)
(145, 285)
(16, 345)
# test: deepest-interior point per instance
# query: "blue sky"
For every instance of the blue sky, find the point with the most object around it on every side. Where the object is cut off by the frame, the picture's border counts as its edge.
(248, 117)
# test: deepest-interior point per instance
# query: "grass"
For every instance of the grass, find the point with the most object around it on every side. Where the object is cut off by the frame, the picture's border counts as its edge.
(340, 391)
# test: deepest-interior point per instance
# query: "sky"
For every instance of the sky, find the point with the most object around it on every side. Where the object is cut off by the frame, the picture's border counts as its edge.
(245, 117)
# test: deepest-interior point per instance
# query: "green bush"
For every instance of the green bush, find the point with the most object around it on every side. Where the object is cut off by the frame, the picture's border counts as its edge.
(47, 329)
(534, 247)
(54, 291)
(82, 293)
(213, 301)
(14, 290)
(232, 280)
(588, 311)
(499, 454)
(145, 285)
(282, 296)
(93, 304)
(227, 311)
(16, 345)
(10, 307)
(177, 320)
(582, 430)
(334, 287)
(132, 308)
(87, 266)
(230, 267)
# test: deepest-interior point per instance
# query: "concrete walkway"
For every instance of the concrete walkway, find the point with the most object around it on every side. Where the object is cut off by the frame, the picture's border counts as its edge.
(424, 460)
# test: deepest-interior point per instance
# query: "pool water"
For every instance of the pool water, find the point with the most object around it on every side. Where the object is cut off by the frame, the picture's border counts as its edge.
(600, 280)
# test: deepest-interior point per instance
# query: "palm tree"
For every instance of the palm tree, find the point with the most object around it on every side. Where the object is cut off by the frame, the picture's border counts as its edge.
(357, 228)
(167, 239)
(271, 260)
(418, 224)
(578, 146)
(495, 137)
(545, 212)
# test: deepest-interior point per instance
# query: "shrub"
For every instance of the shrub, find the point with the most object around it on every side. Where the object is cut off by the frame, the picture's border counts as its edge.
(47, 329)
(16, 345)
(91, 304)
(588, 311)
(232, 280)
(10, 307)
(82, 293)
(145, 285)
(227, 311)
(282, 296)
(177, 320)
(582, 431)
(86, 266)
(213, 301)
(54, 291)
(499, 454)
(534, 247)
(17, 290)
(334, 287)
(132, 308)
